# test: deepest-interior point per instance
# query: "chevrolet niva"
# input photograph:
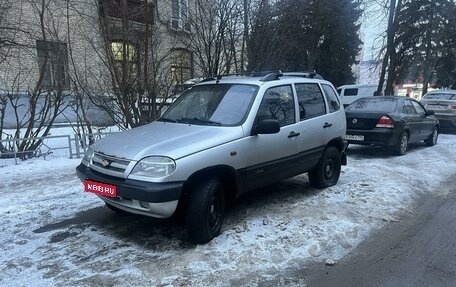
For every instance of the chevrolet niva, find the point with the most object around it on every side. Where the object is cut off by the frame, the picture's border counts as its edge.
(221, 138)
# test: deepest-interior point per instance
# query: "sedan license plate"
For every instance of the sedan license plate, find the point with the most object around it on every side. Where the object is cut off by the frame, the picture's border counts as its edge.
(354, 137)
(100, 188)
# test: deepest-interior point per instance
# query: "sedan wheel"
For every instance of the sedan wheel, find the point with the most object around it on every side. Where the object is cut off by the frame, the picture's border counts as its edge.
(432, 140)
(402, 145)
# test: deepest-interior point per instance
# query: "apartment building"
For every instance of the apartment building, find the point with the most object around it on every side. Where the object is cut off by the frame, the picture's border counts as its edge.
(100, 48)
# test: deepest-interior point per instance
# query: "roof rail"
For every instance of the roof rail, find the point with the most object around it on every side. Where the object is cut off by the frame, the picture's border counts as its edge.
(304, 74)
(267, 76)
(271, 77)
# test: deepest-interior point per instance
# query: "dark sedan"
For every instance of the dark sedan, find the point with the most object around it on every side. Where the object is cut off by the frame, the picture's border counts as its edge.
(390, 121)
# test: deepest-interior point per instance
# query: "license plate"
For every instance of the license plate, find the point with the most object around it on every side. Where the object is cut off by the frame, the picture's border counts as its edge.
(100, 188)
(354, 137)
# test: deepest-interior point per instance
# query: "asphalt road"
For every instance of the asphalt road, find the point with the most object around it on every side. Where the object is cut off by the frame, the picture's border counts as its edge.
(419, 250)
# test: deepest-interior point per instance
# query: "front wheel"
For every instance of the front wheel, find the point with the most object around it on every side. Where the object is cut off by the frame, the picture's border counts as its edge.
(327, 172)
(206, 207)
(432, 140)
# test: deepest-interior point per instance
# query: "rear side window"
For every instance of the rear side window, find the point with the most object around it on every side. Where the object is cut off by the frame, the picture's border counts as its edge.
(373, 105)
(351, 92)
(408, 108)
(419, 109)
(310, 100)
(278, 103)
(331, 96)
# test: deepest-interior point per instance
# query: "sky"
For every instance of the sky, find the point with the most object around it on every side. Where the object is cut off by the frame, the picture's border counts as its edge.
(374, 23)
(54, 233)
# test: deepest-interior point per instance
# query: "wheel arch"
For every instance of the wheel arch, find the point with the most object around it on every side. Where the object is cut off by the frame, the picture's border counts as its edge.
(341, 145)
(226, 174)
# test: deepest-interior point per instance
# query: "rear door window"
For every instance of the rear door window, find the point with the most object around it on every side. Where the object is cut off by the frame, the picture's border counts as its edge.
(310, 100)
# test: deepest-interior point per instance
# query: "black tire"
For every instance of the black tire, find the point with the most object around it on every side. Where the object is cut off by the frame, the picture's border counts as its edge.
(432, 140)
(116, 210)
(327, 172)
(402, 145)
(206, 207)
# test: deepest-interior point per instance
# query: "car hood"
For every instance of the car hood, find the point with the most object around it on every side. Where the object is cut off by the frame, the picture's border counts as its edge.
(175, 140)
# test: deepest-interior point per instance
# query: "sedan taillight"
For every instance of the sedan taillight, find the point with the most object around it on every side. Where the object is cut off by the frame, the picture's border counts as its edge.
(453, 107)
(385, 122)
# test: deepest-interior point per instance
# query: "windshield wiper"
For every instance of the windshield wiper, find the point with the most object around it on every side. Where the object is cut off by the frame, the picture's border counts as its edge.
(199, 121)
(167, 120)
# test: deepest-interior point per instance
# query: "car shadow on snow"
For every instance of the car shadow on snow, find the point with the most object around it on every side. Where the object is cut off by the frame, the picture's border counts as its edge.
(142, 230)
(362, 151)
(169, 234)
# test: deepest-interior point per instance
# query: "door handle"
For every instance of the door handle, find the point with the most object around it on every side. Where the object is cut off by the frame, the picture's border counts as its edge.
(327, 125)
(293, 135)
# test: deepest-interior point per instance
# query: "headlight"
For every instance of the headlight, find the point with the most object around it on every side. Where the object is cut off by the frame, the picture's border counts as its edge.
(154, 166)
(88, 156)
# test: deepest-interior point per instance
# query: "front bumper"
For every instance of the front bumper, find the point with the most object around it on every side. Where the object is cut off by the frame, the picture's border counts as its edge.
(147, 198)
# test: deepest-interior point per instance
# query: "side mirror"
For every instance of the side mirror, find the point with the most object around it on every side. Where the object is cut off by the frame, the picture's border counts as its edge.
(268, 126)
(429, 112)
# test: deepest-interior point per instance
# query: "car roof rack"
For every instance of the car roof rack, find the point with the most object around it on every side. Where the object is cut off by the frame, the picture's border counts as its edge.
(266, 76)
(312, 74)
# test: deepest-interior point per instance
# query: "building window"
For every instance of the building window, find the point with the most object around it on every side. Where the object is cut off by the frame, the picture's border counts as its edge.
(55, 73)
(181, 66)
(179, 15)
(126, 60)
(134, 10)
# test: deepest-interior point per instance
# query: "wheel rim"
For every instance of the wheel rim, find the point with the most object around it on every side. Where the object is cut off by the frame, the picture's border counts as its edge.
(435, 134)
(215, 211)
(329, 168)
(404, 141)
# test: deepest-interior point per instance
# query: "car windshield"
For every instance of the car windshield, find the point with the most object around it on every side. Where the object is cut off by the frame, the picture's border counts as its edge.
(216, 104)
(442, 96)
(373, 105)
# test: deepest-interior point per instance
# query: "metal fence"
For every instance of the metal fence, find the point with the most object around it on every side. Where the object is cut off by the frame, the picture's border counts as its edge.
(75, 146)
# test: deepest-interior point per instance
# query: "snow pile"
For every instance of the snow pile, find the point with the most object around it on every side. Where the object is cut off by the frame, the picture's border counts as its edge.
(52, 233)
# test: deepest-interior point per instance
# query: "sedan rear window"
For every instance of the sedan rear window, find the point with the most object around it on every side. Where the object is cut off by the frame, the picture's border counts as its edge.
(373, 105)
(442, 96)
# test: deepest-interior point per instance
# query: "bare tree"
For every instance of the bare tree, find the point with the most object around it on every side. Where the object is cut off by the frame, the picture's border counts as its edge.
(389, 60)
(216, 36)
(43, 90)
(136, 60)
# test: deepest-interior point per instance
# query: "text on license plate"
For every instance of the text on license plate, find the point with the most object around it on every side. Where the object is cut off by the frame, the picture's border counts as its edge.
(354, 137)
(100, 188)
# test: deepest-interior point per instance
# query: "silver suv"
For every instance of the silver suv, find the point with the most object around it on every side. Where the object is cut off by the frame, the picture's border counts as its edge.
(222, 137)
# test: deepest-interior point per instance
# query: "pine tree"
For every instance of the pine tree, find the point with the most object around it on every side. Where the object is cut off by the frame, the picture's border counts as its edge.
(425, 41)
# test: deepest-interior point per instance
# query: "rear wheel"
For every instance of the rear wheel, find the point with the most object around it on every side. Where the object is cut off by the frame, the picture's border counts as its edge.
(206, 207)
(402, 145)
(432, 140)
(327, 172)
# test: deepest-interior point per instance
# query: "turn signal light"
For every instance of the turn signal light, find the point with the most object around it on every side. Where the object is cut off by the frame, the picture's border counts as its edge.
(385, 122)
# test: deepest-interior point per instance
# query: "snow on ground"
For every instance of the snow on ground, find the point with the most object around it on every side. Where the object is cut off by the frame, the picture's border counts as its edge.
(52, 233)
